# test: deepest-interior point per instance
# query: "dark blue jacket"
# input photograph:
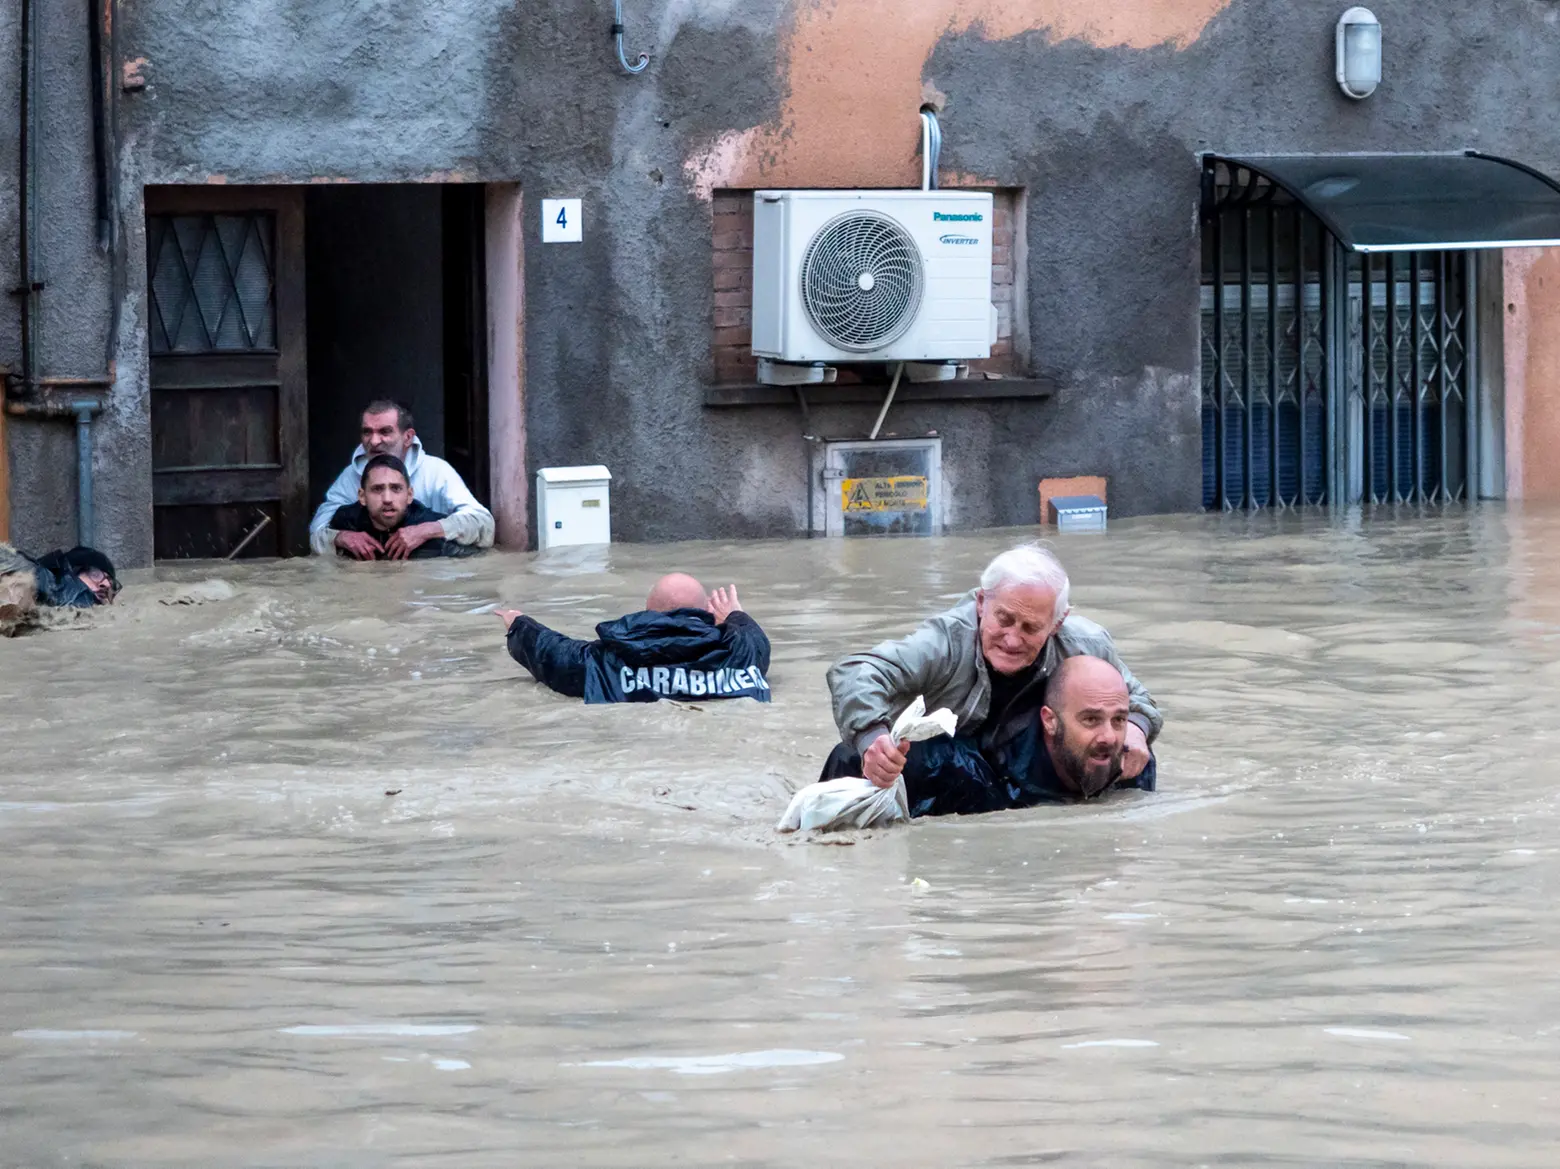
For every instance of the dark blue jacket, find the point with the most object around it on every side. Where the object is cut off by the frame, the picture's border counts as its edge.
(354, 517)
(647, 656)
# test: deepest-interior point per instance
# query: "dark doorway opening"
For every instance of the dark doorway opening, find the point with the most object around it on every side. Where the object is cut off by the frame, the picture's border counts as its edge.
(395, 279)
(276, 314)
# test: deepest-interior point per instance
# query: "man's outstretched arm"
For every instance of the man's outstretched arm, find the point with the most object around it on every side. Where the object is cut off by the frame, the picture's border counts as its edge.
(556, 661)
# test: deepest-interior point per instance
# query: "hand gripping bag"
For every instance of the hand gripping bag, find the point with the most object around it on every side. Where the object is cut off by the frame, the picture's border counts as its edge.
(833, 804)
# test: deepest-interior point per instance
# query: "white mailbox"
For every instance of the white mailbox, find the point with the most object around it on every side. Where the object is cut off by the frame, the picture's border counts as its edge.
(573, 506)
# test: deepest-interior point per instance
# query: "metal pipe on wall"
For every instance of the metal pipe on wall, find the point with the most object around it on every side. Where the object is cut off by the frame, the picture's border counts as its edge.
(27, 202)
(84, 410)
(617, 38)
(931, 148)
(72, 383)
(100, 32)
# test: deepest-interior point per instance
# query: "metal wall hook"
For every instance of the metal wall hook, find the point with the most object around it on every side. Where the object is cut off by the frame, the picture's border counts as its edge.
(617, 36)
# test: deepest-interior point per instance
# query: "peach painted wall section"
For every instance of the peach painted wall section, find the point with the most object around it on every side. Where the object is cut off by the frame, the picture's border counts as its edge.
(1532, 349)
(505, 245)
(853, 73)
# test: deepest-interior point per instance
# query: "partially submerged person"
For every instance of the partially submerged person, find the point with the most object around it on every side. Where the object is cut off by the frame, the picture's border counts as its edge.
(387, 430)
(988, 660)
(78, 579)
(1084, 723)
(386, 507)
(682, 644)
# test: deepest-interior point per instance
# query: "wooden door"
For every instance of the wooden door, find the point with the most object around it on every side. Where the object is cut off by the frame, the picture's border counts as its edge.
(225, 315)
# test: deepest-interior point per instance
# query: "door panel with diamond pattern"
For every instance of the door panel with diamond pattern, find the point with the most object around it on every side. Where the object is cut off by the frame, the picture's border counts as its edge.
(225, 321)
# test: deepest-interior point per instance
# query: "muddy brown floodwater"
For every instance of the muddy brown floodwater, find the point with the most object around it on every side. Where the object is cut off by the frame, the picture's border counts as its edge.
(572, 939)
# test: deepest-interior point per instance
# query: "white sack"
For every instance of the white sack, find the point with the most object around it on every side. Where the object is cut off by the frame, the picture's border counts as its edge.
(859, 803)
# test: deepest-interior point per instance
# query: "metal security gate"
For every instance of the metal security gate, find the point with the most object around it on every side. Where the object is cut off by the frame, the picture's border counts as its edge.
(1328, 375)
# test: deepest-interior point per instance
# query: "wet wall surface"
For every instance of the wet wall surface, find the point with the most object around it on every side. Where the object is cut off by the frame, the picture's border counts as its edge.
(1099, 117)
(571, 934)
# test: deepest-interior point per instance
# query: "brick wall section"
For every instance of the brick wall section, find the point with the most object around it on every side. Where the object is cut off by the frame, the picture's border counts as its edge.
(1002, 359)
(732, 337)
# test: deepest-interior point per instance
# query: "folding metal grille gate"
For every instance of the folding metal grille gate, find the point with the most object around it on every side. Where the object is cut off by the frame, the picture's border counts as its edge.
(1329, 375)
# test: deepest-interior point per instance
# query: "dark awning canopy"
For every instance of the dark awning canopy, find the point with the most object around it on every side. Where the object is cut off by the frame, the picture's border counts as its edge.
(1419, 202)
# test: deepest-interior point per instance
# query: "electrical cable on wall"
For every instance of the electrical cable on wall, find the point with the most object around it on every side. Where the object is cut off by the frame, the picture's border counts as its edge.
(617, 37)
(931, 148)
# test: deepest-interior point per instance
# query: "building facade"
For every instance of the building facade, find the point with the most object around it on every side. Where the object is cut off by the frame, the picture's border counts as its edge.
(244, 220)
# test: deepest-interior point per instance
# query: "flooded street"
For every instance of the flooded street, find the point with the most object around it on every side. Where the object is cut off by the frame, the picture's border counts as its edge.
(570, 936)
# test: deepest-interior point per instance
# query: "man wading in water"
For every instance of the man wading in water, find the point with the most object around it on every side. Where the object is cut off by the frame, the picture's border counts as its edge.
(1084, 726)
(682, 644)
(988, 660)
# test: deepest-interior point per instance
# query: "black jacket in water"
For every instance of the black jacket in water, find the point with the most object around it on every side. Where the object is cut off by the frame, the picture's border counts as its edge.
(960, 777)
(647, 655)
(354, 517)
(55, 574)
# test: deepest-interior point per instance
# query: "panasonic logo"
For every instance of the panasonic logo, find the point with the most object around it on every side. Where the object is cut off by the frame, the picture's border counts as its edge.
(945, 217)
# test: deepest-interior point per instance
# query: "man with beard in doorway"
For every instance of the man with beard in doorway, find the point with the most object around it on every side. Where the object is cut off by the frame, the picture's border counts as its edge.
(387, 430)
(988, 660)
(385, 507)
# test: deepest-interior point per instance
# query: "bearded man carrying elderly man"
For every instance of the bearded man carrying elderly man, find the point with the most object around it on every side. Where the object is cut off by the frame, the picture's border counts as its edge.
(1047, 712)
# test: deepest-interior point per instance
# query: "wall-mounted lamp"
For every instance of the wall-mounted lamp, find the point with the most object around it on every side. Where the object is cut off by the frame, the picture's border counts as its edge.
(1359, 52)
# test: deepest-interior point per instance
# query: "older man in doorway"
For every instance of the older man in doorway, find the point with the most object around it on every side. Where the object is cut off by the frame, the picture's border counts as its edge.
(388, 430)
(988, 660)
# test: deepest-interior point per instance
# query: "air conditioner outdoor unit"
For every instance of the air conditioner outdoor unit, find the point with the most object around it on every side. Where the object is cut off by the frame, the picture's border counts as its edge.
(843, 276)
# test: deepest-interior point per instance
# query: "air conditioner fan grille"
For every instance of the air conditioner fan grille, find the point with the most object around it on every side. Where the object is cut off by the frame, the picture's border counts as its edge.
(862, 280)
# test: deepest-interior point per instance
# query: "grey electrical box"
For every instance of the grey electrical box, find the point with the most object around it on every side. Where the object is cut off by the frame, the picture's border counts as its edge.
(882, 487)
(1078, 513)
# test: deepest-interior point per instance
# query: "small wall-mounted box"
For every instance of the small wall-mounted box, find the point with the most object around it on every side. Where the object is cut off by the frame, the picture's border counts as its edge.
(1078, 513)
(573, 506)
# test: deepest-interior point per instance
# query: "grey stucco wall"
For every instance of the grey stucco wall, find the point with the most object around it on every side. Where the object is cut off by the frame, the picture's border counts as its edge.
(1104, 140)
(75, 306)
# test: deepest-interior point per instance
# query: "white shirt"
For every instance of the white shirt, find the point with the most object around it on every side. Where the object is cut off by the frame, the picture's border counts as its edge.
(435, 484)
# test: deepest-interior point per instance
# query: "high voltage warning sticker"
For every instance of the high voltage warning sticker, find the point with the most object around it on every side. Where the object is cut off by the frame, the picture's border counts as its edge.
(890, 493)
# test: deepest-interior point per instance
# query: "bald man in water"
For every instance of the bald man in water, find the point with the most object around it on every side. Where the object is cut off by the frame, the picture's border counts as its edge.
(683, 644)
(1083, 731)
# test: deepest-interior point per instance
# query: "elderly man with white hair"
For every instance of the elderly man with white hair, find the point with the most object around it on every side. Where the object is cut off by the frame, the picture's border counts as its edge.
(988, 660)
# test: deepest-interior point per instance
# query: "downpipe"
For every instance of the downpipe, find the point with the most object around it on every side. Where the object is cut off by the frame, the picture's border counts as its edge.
(82, 411)
(27, 197)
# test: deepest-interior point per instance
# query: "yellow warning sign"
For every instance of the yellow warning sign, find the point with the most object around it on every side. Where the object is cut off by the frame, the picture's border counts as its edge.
(889, 493)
